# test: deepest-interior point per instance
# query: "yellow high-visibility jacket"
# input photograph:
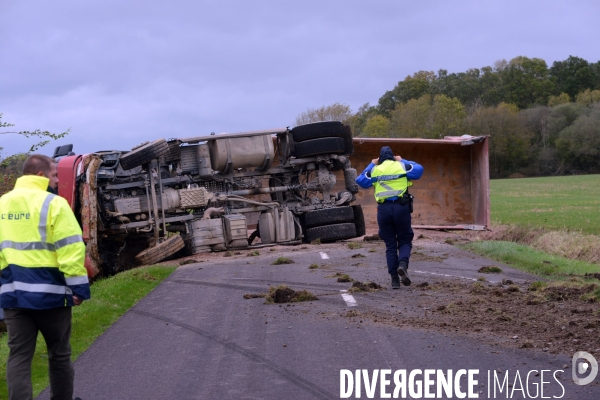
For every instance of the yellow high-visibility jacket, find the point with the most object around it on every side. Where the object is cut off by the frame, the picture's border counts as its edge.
(389, 180)
(42, 252)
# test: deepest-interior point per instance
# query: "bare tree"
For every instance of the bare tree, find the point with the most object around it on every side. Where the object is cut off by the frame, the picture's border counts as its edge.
(334, 112)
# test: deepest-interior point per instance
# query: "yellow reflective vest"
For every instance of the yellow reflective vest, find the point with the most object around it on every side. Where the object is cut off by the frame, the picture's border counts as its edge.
(42, 252)
(389, 180)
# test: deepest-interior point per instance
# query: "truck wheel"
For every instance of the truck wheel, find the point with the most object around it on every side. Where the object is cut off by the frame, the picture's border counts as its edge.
(359, 220)
(328, 233)
(348, 143)
(144, 154)
(327, 145)
(328, 216)
(161, 251)
(318, 130)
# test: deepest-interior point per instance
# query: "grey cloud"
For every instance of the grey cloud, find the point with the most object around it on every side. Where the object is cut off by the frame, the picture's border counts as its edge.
(120, 72)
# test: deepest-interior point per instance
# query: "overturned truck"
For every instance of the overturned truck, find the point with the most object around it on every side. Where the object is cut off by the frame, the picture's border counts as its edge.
(212, 193)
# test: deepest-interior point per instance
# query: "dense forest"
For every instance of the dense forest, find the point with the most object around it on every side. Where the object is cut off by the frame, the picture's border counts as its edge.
(542, 120)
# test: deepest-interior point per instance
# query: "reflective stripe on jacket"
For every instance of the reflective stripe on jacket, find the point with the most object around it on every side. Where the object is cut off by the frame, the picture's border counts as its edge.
(389, 179)
(42, 252)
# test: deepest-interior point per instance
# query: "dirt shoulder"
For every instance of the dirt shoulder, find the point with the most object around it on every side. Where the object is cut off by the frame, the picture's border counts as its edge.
(552, 319)
(509, 315)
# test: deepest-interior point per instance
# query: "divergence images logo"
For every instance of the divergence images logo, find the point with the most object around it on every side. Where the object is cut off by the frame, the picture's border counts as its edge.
(580, 367)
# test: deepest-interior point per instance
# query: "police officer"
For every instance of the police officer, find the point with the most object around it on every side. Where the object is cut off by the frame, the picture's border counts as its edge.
(42, 275)
(391, 177)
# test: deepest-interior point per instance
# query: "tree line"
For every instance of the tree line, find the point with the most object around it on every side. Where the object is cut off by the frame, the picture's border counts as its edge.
(541, 120)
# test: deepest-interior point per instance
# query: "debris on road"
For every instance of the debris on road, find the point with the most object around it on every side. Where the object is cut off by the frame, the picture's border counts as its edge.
(189, 261)
(285, 294)
(341, 277)
(282, 260)
(490, 269)
(255, 295)
(364, 287)
(550, 316)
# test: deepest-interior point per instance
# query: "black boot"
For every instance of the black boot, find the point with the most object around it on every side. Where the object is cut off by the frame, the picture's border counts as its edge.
(395, 281)
(403, 272)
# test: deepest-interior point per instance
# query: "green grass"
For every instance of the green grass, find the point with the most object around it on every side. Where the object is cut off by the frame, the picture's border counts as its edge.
(564, 202)
(529, 260)
(111, 298)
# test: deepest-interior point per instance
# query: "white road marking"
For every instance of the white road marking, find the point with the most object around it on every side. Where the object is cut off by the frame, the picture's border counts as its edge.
(324, 256)
(349, 299)
(450, 276)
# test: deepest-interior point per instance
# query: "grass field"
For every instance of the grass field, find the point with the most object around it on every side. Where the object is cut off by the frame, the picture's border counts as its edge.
(563, 202)
(111, 298)
(531, 260)
(551, 225)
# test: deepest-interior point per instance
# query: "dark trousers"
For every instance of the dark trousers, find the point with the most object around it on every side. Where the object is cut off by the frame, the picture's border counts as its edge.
(396, 231)
(23, 326)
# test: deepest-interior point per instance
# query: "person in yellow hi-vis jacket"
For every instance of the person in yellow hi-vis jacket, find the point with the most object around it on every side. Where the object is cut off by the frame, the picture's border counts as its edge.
(391, 176)
(42, 275)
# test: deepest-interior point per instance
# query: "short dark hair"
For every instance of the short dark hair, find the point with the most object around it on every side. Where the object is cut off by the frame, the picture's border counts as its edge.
(37, 163)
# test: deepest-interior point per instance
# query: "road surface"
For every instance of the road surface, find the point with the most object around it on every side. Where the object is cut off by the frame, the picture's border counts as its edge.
(196, 336)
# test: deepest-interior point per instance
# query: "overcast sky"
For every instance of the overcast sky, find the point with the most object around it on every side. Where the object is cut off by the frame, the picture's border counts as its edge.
(118, 73)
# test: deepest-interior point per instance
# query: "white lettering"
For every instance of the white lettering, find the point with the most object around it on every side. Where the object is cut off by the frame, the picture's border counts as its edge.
(411, 384)
(427, 382)
(444, 382)
(459, 394)
(346, 389)
(512, 392)
(557, 381)
(537, 390)
(384, 382)
(370, 385)
(542, 383)
(357, 380)
(399, 383)
(504, 382)
(472, 383)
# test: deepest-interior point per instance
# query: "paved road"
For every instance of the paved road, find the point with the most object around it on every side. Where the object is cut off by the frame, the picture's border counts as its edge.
(196, 337)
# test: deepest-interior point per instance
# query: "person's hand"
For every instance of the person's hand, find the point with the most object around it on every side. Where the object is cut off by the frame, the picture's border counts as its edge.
(398, 158)
(375, 161)
(76, 300)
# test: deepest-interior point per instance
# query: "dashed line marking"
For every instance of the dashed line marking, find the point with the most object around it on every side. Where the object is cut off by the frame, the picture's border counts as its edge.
(349, 299)
(324, 256)
(449, 276)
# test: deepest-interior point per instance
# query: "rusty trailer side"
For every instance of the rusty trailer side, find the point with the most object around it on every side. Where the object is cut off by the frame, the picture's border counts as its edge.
(454, 191)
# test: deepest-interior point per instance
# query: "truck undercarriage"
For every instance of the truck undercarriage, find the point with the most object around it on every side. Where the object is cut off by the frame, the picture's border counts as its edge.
(213, 193)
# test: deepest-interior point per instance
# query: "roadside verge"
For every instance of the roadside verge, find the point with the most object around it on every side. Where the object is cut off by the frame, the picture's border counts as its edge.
(111, 298)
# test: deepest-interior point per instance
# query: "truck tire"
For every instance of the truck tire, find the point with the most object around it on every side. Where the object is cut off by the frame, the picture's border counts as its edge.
(329, 233)
(313, 147)
(161, 251)
(328, 216)
(359, 220)
(348, 141)
(144, 154)
(318, 130)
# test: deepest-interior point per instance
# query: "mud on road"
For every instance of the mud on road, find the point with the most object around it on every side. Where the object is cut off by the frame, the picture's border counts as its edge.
(506, 312)
(507, 315)
(450, 295)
